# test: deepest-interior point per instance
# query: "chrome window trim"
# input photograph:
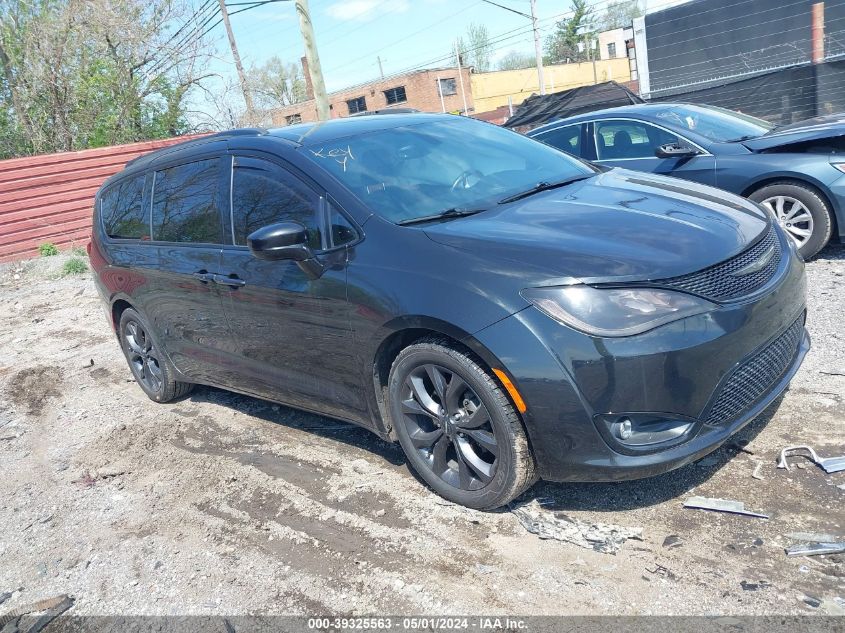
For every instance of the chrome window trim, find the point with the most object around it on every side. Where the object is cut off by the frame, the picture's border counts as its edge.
(703, 151)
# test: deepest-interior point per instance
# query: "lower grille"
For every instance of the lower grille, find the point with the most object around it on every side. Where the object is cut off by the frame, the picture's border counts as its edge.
(756, 376)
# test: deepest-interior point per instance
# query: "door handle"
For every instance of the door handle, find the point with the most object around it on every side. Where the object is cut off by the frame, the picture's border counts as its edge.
(228, 281)
(203, 275)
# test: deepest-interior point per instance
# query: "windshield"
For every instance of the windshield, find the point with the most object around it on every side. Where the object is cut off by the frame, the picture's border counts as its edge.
(423, 169)
(717, 124)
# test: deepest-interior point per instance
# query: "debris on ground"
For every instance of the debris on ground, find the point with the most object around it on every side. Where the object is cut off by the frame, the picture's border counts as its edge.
(663, 572)
(815, 549)
(812, 537)
(754, 586)
(810, 601)
(721, 505)
(52, 608)
(829, 464)
(833, 372)
(601, 537)
(834, 606)
(673, 541)
(756, 474)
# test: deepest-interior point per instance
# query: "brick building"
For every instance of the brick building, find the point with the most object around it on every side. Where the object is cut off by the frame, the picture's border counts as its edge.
(429, 90)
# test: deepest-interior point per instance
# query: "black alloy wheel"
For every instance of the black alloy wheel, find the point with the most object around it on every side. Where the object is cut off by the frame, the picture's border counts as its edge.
(142, 355)
(458, 426)
(149, 364)
(450, 427)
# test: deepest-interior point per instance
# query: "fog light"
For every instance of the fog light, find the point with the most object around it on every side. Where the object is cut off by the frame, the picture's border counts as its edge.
(644, 431)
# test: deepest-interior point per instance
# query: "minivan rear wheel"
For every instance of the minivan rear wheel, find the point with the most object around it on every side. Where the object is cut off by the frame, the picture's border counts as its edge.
(149, 365)
(458, 428)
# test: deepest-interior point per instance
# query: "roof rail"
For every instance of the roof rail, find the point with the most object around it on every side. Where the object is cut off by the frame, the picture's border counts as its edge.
(387, 111)
(245, 131)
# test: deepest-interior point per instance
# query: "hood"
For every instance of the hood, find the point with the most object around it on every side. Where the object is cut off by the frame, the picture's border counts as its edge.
(816, 129)
(619, 225)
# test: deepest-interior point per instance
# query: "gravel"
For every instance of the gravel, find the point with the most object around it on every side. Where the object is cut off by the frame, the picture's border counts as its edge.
(223, 504)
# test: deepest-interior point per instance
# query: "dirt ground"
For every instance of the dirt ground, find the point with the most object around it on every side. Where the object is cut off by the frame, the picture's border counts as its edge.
(222, 504)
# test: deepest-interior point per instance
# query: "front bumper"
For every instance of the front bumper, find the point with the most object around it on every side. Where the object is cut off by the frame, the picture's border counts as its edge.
(568, 379)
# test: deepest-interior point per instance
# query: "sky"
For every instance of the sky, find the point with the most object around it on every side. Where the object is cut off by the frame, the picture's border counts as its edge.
(352, 34)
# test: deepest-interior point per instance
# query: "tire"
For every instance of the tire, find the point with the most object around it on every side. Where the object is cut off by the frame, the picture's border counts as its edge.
(780, 198)
(147, 360)
(472, 451)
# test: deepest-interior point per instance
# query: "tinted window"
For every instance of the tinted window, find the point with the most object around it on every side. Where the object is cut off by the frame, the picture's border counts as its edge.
(715, 123)
(416, 170)
(566, 138)
(123, 212)
(185, 203)
(630, 139)
(264, 194)
(342, 230)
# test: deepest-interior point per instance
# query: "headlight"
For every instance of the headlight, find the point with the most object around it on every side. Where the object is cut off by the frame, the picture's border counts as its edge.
(614, 311)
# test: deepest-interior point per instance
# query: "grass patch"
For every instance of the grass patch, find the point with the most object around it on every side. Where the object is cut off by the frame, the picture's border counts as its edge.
(79, 251)
(74, 266)
(48, 249)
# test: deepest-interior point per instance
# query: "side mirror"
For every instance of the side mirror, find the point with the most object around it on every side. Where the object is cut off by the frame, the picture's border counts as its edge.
(673, 150)
(285, 240)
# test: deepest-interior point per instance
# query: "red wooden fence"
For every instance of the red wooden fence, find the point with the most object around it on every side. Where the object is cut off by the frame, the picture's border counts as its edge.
(50, 198)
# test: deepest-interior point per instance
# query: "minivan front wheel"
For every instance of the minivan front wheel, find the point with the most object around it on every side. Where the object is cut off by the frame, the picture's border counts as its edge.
(149, 366)
(801, 212)
(457, 426)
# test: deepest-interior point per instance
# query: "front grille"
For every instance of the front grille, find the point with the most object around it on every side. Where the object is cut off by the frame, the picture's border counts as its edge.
(756, 376)
(718, 282)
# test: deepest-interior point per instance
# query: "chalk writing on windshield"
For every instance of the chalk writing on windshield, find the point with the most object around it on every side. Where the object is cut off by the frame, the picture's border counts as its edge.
(339, 154)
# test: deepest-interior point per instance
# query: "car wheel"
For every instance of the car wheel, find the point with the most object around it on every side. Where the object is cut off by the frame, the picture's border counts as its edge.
(152, 371)
(801, 212)
(457, 426)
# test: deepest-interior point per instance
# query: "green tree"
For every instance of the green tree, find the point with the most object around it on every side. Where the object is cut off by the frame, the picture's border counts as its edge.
(86, 73)
(563, 44)
(514, 60)
(477, 50)
(619, 14)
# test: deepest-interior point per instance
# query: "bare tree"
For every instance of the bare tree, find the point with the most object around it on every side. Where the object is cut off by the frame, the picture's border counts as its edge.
(275, 84)
(477, 50)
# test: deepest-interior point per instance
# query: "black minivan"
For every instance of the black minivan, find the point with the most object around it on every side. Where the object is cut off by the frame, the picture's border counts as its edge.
(501, 309)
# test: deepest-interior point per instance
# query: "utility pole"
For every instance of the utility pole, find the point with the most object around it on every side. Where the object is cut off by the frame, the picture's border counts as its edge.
(538, 50)
(591, 56)
(250, 110)
(461, 76)
(380, 69)
(321, 99)
(440, 92)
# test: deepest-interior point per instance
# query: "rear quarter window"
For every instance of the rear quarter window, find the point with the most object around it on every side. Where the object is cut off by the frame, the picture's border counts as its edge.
(124, 216)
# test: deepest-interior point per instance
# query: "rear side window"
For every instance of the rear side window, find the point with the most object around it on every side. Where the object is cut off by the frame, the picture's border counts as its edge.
(263, 193)
(122, 210)
(566, 138)
(185, 203)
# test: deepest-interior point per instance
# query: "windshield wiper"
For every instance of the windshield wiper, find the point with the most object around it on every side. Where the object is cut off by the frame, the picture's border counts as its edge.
(544, 186)
(747, 137)
(448, 214)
